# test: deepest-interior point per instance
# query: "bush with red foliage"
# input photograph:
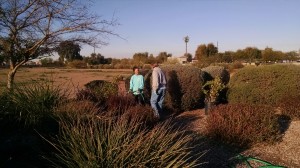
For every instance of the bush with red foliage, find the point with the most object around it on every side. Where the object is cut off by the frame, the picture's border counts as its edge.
(243, 124)
(290, 106)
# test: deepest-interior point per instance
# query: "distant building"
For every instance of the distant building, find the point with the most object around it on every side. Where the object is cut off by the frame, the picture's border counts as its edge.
(30, 63)
(181, 60)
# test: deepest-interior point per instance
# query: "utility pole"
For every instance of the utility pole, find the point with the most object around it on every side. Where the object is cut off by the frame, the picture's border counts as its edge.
(94, 50)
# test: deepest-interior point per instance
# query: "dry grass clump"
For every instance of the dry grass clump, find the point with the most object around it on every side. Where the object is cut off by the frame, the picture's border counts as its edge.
(120, 142)
(243, 124)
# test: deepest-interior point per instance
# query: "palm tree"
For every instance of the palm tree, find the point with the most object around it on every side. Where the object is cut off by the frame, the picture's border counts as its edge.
(186, 40)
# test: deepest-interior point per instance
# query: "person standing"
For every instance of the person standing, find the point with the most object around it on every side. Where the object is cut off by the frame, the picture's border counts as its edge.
(137, 86)
(158, 93)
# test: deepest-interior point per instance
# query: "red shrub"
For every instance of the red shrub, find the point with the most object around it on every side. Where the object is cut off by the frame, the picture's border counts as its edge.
(243, 124)
(290, 106)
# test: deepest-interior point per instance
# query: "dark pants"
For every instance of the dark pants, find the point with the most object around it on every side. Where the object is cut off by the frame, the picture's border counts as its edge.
(139, 99)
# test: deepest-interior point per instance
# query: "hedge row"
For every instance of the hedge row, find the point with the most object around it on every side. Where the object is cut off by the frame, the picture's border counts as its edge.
(264, 84)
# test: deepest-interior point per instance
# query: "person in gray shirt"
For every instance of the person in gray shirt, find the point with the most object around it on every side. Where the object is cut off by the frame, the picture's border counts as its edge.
(158, 93)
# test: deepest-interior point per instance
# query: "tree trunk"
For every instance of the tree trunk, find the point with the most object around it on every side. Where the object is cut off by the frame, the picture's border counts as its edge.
(10, 78)
(11, 74)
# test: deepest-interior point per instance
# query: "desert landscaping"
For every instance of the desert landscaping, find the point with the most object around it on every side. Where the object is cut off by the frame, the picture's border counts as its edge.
(285, 152)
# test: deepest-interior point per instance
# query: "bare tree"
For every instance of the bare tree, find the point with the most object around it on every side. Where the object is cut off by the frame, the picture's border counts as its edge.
(32, 28)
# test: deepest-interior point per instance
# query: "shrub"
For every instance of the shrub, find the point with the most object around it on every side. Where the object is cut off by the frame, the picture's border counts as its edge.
(118, 105)
(184, 85)
(83, 107)
(264, 84)
(7, 117)
(77, 64)
(290, 106)
(237, 65)
(120, 142)
(212, 89)
(33, 103)
(98, 91)
(216, 71)
(145, 113)
(88, 94)
(147, 66)
(243, 124)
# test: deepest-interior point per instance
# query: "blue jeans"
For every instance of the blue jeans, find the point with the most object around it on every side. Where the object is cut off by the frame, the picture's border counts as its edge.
(157, 100)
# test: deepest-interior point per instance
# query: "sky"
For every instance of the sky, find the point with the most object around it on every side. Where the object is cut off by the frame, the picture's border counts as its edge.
(156, 26)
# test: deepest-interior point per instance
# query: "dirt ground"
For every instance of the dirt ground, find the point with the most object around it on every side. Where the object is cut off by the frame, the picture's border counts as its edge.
(68, 79)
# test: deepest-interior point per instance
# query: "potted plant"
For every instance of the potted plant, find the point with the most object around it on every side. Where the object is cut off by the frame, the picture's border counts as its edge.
(211, 89)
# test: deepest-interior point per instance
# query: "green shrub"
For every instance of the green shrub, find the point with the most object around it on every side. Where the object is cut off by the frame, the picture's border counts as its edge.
(98, 91)
(77, 64)
(212, 89)
(264, 84)
(33, 103)
(120, 142)
(243, 124)
(184, 85)
(216, 71)
(290, 106)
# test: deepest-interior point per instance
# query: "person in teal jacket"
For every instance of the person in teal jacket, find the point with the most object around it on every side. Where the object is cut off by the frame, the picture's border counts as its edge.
(137, 86)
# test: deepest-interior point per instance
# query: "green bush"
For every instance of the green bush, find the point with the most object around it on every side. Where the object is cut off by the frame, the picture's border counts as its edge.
(98, 91)
(77, 64)
(184, 88)
(120, 142)
(31, 104)
(264, 84)
(243, 124)
(216, 71)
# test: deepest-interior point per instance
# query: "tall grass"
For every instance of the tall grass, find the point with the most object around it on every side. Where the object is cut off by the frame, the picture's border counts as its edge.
(31, 103)
(120, 142)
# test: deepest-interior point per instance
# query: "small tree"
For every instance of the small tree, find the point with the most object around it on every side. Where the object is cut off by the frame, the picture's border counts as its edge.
(212, 88)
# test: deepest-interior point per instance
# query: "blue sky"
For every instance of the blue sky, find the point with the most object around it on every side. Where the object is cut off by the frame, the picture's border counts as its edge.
(155, 26)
